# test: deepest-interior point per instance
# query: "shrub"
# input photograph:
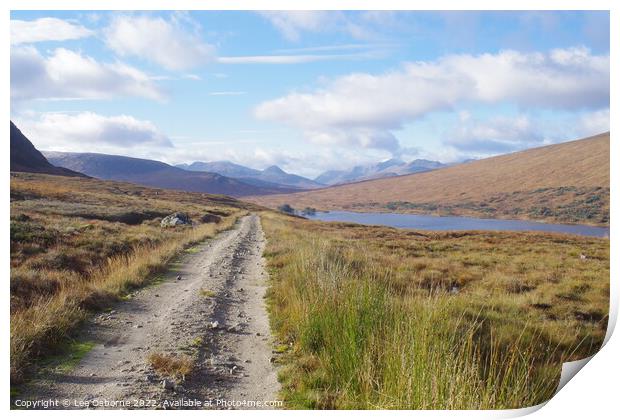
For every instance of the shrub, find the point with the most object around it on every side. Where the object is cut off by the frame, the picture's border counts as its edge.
(308, 211)
(286, 208)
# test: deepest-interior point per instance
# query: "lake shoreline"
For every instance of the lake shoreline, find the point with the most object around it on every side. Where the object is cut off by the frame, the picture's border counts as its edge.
(383, 210)
(457, 223)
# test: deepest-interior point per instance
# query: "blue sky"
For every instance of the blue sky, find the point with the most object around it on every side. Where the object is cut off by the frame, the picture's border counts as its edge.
(308, 91)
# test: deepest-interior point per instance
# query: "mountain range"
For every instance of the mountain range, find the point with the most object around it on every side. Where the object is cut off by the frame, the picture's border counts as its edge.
(154, 173)
(385, 169)
(271, 176)
(218, 177)
(274, 175)
(26, 158)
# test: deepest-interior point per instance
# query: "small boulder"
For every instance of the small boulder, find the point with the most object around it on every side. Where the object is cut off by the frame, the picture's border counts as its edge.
(176, 219)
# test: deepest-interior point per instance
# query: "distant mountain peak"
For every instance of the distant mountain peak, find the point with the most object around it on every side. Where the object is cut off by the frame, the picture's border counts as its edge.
(271, 177)
(386, 168)
(389, 163)
(274, 169)
(392, 161)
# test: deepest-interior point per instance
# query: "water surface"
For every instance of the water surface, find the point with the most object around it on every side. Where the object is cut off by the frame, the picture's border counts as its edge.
(425, 222)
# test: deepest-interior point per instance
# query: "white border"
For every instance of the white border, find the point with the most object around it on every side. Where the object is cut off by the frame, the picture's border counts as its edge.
(592, 393)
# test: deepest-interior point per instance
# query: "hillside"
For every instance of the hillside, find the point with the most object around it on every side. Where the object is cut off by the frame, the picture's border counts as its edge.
(26, 158)
(156, 174)
(272, 176)
(567, 182)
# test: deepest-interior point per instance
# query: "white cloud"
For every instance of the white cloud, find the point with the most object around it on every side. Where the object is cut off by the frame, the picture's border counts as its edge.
(369, 105)
(90, 132)
(46, 29)
(593, 123)
(291, 23)
(496, 135)
(507, 134)
(365, 138)
(564, 78)
(161, 41)
(65, 74)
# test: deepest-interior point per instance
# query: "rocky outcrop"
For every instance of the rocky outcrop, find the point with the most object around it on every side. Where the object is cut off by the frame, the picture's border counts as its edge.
(176, 219)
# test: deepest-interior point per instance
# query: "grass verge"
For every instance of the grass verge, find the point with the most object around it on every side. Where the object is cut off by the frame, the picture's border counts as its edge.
(384, 318)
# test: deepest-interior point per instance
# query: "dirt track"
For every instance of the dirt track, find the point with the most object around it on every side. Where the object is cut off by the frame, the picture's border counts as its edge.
(215, 313)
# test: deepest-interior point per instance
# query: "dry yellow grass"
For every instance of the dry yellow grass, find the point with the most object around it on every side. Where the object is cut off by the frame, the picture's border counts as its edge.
(177, 367)
(77, 245)
(566, 182)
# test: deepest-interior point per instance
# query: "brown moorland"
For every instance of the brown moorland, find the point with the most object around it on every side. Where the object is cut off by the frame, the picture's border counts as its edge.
(567, 182)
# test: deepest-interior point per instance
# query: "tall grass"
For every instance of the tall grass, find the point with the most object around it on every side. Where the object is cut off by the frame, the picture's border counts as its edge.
(361, 340)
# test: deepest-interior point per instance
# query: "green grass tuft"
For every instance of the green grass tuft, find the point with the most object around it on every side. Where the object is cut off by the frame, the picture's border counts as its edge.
(69, 356)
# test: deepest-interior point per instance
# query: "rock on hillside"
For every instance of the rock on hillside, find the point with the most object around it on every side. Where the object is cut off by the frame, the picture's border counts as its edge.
(176, 219)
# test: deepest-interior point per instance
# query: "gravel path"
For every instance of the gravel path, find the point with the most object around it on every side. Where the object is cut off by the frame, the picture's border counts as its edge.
(215, 313)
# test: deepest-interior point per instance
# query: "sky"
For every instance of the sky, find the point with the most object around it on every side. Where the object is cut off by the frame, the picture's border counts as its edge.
(308, 91)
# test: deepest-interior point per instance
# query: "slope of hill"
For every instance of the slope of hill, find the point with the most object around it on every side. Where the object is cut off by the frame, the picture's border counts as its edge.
(567, 182)
(156, 174)
(385, 169)
(273, 176)
(26, 158)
